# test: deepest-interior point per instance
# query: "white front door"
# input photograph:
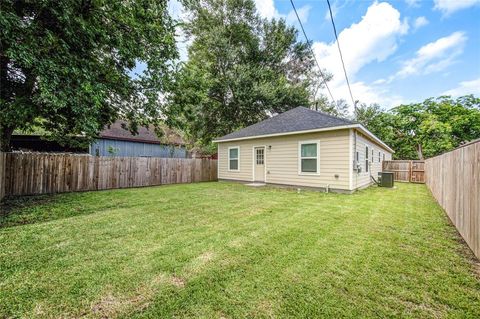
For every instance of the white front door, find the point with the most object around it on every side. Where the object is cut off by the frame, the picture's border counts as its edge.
(259, 164)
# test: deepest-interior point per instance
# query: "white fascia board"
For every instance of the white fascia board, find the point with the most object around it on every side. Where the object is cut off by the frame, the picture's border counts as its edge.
(373, 137)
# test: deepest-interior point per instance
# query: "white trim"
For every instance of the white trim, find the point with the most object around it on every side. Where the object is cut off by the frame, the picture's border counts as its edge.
(300, 143)
(351, 156)
(238, 159)
(254, 161)
(366, 158)
(355, 126)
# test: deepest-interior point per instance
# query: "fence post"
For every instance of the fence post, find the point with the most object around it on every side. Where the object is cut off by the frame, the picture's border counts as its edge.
(410, 171)
(2, 175)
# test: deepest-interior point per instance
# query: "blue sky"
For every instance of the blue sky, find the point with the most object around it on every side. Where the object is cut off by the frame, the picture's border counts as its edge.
(395, 52)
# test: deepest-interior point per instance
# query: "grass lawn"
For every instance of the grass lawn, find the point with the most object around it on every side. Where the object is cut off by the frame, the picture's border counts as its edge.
(224, 250)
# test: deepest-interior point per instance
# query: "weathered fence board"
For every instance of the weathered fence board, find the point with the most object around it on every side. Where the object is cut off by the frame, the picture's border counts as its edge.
(406, 170)
(2, 175)
(454, 180)
(41, 173)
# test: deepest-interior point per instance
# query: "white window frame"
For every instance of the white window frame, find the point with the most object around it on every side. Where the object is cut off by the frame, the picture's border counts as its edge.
(238, 159)
(300, 143)
(367, 159)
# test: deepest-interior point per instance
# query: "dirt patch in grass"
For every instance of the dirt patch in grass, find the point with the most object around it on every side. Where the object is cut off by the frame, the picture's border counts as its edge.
(106, 306)
(111, 306)
(422, 308)
(178, 282)
(264, 308)
(198, 264)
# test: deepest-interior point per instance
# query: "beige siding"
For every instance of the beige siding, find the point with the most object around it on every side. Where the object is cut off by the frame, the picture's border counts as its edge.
(282, 160)
(362, 179)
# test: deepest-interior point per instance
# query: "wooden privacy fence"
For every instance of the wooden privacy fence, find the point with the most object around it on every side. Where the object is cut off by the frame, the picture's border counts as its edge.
(454, 180)
(2, 175)
(43, 173)
(406, 171)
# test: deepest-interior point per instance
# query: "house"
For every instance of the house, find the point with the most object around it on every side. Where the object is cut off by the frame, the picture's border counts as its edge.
(306, 148)
(114, 140)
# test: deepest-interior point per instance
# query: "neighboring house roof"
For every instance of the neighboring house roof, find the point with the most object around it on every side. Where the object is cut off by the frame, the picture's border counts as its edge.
(145, 135)
(295, 121)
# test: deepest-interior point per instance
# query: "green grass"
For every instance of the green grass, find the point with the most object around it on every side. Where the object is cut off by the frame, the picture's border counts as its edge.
(224, 250)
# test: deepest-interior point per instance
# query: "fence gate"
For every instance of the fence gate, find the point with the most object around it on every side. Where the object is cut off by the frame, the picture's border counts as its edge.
(406, 171)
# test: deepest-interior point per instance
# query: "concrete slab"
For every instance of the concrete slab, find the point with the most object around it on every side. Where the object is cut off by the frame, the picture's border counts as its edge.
(256, 184)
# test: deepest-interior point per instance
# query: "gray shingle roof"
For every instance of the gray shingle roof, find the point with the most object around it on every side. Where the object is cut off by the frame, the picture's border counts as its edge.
(145, 135)
(297, 119)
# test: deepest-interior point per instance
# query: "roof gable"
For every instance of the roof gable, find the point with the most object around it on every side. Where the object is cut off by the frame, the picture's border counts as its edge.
(294, 120)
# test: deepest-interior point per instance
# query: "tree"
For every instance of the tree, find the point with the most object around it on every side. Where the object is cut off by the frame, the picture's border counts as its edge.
(65, 65)
(426, 129)
(339, 108)
(241, 69)
(368, 114)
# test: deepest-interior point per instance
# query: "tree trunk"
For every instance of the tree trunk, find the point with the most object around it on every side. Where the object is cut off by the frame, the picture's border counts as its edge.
(419, 151)
(5, 136)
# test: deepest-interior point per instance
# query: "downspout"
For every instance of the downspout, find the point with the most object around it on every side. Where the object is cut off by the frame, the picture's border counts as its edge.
(355, 157)
(355, 145)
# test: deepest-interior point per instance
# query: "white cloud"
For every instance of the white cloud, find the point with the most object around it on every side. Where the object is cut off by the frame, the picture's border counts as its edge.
(374, 38)
(368, 93)
(412, 3)
(266, 9)
(420, 22)
(434, 56)
(303, 14)
(450, 6)
(464, 88)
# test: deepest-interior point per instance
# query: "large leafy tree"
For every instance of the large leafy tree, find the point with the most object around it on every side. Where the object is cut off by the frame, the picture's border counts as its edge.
(426, 129)
(339, 108)
(66, 65)
(240, 70)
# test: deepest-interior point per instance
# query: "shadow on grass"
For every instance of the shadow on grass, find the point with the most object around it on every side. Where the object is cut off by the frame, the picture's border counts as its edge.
(16, 211)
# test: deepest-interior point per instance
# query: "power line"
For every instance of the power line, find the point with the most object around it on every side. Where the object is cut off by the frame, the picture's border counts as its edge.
(340, 51)
(311, 50)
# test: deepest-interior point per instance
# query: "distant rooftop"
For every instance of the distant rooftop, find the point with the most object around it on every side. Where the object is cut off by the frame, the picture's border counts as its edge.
(117, 132)
(145, 135)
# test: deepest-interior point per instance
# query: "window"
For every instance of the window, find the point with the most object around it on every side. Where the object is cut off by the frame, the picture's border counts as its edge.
(379, 157)
(309, 157)
(260, 156)
(366, 159)
(233, 158)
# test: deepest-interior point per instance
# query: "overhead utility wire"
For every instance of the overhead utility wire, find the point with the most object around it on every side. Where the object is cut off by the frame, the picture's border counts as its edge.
(313, 53)
(340, 51)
